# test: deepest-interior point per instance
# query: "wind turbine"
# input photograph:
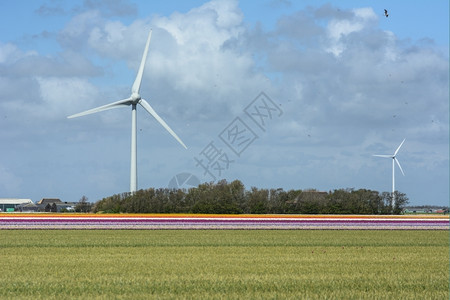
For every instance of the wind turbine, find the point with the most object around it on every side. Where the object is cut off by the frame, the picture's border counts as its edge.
(394, 160)
(134, 100)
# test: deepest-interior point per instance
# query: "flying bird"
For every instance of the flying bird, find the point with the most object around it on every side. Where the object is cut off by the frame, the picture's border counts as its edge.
(386, 13)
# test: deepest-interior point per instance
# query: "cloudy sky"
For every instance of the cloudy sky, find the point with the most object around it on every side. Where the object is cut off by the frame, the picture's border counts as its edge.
(278, 94)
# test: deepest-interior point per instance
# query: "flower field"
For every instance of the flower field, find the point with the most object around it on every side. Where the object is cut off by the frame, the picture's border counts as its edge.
(191, 221)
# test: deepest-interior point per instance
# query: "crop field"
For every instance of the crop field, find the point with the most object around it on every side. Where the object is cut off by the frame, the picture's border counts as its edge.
(224, 264)
(197, 221)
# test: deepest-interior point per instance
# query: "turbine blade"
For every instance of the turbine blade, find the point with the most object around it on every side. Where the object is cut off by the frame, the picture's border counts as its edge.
(395, 153)
(151, 111)
(387, 156)
(398, 163)
(102, 108)
(137, 81)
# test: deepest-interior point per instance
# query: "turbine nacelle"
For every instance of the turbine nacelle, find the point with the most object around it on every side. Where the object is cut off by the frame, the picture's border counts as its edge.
(394, 156)
(135, 98)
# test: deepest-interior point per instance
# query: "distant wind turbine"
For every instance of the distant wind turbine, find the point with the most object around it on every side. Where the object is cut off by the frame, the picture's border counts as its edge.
(133, 100)
(394, 160)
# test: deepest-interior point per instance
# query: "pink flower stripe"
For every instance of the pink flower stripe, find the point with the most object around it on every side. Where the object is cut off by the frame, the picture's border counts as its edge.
(151, 221)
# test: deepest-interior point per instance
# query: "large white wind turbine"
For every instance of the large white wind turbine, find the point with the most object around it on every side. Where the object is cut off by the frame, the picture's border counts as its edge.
(394, 160)
(133, 100)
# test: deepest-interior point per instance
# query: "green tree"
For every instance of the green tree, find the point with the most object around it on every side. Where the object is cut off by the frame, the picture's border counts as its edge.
(83, 205)
(400, 202)
(110, 204)
(257, 200)
(291, 202)
(232, 198)
(311, 202)
(277, 201)
(386, 199)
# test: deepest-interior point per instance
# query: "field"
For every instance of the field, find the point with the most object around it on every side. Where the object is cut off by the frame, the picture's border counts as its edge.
(224, 264)
(211, 221)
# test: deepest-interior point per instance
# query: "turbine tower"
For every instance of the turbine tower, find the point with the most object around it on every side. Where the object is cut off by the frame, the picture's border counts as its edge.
(134, 100)
(394, 160)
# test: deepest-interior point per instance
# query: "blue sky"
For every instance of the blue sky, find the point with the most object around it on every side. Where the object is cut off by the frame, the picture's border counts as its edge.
(344, 82)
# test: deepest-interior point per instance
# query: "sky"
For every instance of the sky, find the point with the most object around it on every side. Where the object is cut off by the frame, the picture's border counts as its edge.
(277, 94)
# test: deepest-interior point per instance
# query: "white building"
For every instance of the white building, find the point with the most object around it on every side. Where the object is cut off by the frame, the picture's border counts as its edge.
(10, 204)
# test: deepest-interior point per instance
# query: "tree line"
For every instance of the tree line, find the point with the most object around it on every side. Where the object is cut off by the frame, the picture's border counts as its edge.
(232, 198)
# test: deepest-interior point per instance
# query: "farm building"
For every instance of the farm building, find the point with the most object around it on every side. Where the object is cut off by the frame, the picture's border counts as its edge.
(54, 205)
(11, 204)
(28, 207)
(425, 210)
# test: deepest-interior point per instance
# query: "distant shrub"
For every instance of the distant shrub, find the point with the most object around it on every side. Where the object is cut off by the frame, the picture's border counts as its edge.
(232, 198)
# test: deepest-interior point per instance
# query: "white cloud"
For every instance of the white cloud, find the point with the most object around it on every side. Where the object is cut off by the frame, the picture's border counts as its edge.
(365, 14)
(209, 25)
(64, 96)
(187, 57)
(340, 28)
(74, 34)
(10, 53)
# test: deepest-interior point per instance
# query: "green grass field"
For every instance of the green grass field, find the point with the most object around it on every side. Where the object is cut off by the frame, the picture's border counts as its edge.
(215, 264)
